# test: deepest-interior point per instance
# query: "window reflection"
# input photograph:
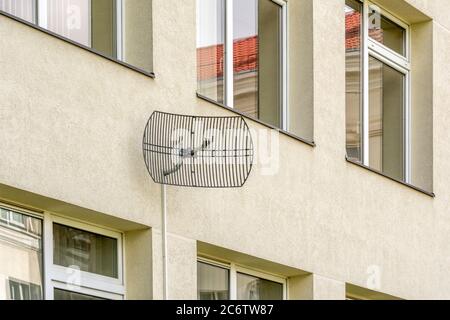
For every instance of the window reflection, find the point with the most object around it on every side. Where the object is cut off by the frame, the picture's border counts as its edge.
(120, 30)
(245, 59)
(88, 251)
(253, 288)
(257, 59)
(353, 34)
(210, 49)
(23, 9)
(69, 19)
(386, 31)
(21, 256)
(213, 282)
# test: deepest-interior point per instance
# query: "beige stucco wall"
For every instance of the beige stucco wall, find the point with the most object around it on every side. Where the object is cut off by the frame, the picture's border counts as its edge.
(139, 257)
(71, 125)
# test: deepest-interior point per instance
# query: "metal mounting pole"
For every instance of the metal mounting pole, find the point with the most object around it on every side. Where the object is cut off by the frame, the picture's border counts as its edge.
(164, 241)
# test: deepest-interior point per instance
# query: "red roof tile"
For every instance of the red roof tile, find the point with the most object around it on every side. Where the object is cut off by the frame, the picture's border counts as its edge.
(210, 59)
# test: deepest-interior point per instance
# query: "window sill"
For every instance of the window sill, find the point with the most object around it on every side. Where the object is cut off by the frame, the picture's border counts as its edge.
(293, 136)
(430, 194)
(36, 27)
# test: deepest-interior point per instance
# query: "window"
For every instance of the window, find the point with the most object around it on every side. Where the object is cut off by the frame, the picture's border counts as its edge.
(81, 261)
(88, 251)
(24, 291)
(377, 89)
(213, 282)
(86, 261)
(254, 288)
(4, 215)
(241, 53)
(217, 281)
(118, 29)
(21, 256)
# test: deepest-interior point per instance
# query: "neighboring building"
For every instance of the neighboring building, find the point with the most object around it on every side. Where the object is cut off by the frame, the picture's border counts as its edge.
(347, 101)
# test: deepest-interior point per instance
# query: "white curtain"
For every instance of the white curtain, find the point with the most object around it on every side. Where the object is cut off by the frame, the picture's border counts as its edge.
(23, 9)
(68, 18)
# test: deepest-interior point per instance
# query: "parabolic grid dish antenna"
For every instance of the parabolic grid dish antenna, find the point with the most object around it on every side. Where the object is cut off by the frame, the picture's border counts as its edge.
(195, 151)
(206, 152)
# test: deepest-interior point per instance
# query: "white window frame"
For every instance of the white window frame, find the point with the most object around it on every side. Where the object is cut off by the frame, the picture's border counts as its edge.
(120, 30)
(229, 65)
(21, 284)
(234, 269)
(21, 227)
(56, 277)
(372, 48)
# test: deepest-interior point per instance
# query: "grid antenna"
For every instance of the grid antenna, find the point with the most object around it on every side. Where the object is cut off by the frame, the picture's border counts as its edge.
(192, 151)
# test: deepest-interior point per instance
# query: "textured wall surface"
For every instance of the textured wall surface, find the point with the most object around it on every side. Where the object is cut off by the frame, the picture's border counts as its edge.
(71, 125)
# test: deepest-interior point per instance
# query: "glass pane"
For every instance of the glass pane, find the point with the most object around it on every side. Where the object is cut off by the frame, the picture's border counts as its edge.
(18, 219)
(15, 292)
(68, 18)
(25, 291)
(23, 9)
(87, 251)
(245, 59)
(103, 36)
(90, 23)
(59, 294)
(257, 59)
(4, 214)
(21, 257)
(269, 40)
(213, 282)
(386, 101)
(210, 49)
(386, 31)
(35, 292)
(253, 288)
(353, 33)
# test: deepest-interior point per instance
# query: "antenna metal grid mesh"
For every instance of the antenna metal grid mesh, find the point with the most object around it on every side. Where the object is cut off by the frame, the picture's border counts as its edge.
(192, 151)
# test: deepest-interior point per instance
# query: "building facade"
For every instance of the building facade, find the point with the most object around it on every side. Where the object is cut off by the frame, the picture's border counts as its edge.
(347, 101)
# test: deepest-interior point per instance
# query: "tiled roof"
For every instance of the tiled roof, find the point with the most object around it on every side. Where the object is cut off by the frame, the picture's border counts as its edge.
(352, 30)
(210, 59)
